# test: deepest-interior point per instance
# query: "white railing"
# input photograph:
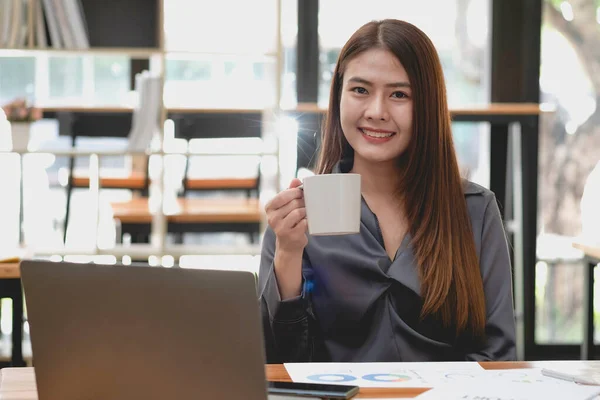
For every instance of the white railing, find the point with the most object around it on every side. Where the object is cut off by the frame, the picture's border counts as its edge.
(83, 153)
(138, 251)
(157, 246)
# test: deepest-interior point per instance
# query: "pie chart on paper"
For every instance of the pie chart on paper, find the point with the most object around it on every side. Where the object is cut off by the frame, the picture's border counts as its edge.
(331, 378)
(387, 378)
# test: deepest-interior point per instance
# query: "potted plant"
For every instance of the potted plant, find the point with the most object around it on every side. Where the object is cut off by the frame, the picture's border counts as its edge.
(20, 114)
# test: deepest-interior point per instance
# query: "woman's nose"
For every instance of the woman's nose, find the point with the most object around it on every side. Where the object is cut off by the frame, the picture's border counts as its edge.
(376, 109)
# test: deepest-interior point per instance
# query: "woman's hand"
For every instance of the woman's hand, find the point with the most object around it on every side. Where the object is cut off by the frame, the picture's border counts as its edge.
(286, 215)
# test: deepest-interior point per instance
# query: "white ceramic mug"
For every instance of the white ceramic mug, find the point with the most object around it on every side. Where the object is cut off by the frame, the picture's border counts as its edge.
(332, 204)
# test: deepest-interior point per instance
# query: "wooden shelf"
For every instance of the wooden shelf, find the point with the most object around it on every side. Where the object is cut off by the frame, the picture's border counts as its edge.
(488, 109)
(477, 109)
(126, 109)
(502, 109)
(87, 109)
(133, 52)
(192, 54)
(132, 28)
(195, 110)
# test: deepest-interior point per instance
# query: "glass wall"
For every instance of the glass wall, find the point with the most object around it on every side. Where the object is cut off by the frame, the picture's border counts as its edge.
(17, 77)
(458, 28)
(48, 79)
(289, 36)
(569, 194)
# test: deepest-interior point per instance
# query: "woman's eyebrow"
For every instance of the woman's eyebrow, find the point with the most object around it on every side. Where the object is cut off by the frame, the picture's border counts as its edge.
(357, 79)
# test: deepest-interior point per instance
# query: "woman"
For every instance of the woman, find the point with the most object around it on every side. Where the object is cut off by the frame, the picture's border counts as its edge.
(428, 278)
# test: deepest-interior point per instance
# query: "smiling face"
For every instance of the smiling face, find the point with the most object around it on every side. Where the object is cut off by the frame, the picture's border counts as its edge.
(376, 107)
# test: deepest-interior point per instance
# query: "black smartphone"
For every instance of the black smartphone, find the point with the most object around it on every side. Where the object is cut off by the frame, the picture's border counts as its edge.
(313, 390)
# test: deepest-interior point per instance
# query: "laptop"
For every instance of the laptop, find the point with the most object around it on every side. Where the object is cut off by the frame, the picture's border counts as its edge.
(137, 332)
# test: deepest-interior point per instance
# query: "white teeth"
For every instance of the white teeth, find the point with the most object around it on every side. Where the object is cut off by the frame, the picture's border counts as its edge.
(376, 134)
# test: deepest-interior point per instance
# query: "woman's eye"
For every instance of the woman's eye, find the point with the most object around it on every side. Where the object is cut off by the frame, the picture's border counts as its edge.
(399, 95)
(359, 90)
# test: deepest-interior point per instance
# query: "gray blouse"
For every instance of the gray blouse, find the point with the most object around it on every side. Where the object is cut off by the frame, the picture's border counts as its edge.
(357, 305)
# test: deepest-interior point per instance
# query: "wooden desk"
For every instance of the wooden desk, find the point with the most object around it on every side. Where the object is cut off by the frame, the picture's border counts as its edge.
(10, 270)
(19, 383)
(592, 257)
(10, 287)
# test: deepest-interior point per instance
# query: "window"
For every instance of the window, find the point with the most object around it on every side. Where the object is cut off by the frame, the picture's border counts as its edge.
(236, 68)
(221, 27)
(17, 78)
(568, 137)
(458, 29)
(289, 35)
(220, 81)
(88, 79)
(66, 77)
(72, 80)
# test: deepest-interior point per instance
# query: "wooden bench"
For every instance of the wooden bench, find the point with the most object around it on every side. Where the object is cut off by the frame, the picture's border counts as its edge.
(139, 182)
(186, 215)
(135, 181)
(249, 185)
(222, 183)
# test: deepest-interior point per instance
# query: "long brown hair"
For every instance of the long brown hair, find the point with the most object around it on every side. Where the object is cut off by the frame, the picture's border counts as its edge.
(430, 184)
